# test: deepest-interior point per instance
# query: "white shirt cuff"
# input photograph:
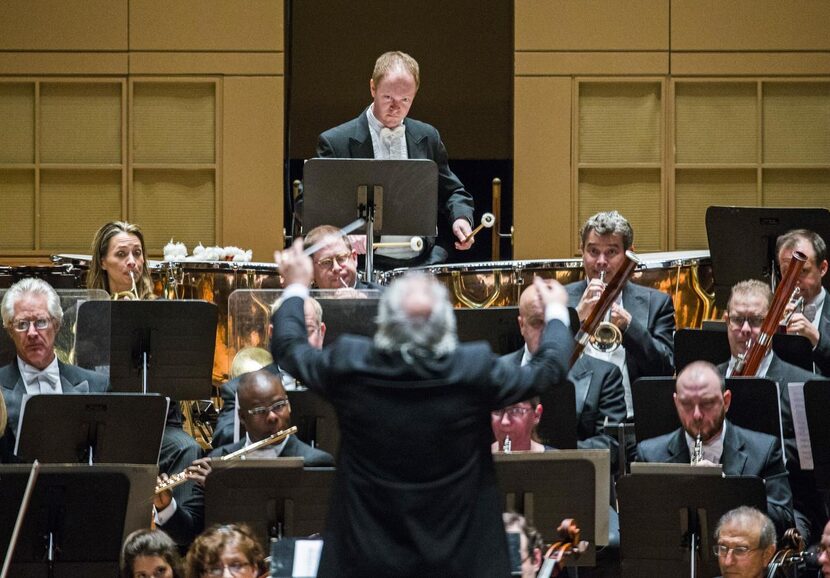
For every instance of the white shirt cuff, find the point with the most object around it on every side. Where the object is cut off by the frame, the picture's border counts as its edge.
(295, 290)
(167, 513)
(557, 311)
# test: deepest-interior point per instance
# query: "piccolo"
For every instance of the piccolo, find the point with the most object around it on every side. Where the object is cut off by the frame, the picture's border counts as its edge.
(182, 477)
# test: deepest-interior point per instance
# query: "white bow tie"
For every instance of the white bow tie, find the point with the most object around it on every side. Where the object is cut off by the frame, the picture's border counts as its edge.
(393, 140)
(46, 376)
(389, 135)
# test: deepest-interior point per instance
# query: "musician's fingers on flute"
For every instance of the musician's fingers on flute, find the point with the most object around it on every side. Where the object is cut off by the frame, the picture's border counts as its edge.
(199, 470)
(162, 499)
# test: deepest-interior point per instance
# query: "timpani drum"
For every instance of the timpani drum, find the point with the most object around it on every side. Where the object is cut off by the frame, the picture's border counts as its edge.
(213, 281)
(59, 275)
(685, 275)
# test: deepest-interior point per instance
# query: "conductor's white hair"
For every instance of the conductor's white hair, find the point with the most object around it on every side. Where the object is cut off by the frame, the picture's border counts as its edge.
(430, 336)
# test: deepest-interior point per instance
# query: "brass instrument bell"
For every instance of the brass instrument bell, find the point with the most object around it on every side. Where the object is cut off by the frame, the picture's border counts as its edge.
(607, 338)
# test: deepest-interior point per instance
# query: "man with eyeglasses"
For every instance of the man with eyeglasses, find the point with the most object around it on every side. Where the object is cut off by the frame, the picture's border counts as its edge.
(744, 543)
(335, 265)
(264, 409)
(749, 302)
(223, 433)
(415, 492)
(813, 320)
(702, 400)
(32, 315)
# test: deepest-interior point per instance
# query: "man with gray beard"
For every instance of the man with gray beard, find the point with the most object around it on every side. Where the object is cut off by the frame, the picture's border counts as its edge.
(415, 493)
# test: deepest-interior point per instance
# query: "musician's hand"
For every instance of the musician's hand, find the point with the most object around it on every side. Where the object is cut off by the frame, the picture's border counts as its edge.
(589, 298)
(358, 243)
(550, 291)
(461, 228)
(163, 499)
(620, 317)
(294, 266)
(199, 470)
(800, 325)
(705, 463)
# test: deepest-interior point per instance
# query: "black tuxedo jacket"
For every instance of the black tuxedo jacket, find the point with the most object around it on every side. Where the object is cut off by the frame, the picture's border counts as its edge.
(352, 140)
(73, 380)
(649, 339)
(821, 354)
(599, 395)
(415, 492)
(745, 453)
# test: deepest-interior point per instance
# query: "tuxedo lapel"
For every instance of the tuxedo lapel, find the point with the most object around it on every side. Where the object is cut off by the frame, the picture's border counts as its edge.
(636, 302)
(734, 457)
(677, 449)
(70, 382)
(581, 378)
(13, 391)
(360, 142)
(416, 145)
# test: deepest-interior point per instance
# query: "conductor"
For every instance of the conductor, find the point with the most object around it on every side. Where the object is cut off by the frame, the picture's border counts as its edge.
(415, 492)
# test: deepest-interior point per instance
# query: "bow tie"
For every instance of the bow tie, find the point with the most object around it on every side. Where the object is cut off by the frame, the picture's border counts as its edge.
(43, 377)
(391, 134)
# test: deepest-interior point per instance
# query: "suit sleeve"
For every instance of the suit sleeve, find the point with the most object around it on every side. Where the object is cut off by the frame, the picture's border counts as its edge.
(652, 347)
(454, 201)
(223, 432)
(611, 405)
(188, 521)
(779, 494)
(324, 147)
(821, 354)
(548, 367)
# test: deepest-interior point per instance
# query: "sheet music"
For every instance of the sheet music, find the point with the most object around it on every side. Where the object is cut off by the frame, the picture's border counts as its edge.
(306, 558)
(802, 432)
(23, 401)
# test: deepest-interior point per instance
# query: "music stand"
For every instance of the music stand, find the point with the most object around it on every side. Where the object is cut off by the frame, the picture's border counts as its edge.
(496, 325)
(158, 346)
(275, 497)
(551, 486)
(92, 428)
(315, 419)
(352, 316)
(758, 227)
(88, 511)
(712, 345)
(755, 405)
(817, 402)
(681, 512)
(398, 197)
(295, 557)
(557, 426)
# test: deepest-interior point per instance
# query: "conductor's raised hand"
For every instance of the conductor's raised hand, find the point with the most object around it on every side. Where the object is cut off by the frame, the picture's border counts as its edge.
(295, 267)
(550, 291)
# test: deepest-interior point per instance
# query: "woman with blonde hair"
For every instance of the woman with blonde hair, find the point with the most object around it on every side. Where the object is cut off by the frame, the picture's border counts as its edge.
(119, 263)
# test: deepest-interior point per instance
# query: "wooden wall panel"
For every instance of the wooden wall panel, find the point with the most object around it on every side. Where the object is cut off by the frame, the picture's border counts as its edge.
(777, 25)
(541, 181)
(591, 63)
(230, 63)
(63, 63)
(188, 25)
(592, 25)
(750, 63)
(63, 25)
(253, 160)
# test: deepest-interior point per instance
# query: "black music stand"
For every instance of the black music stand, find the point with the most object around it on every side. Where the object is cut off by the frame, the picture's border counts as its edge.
(755, 405)
(92, 428)
(817, 402)
(712, 345)
(680, 511)
(498, 326)
(557, 427)
(397, 197)
(275, 497)
(759, 227)
(158, 346)
(551, 486)
(87, 512)
(315, 419)
(347, 316)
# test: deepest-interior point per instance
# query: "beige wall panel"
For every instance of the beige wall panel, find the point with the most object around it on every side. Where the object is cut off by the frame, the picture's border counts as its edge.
(750, 25)
(65, 63)
(63, 25)
(750, 64)
(592, 25)
(231, 63)
(590, 63)
(542, 168)
(253, 157)
(255, 25)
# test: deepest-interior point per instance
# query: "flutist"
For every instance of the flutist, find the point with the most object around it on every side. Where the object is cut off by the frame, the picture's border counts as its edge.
(644, 316)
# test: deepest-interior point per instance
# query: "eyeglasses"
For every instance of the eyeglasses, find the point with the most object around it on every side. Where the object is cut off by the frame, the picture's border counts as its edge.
(737, 552)
(276, 407)
(512, 412)
(22, 325)
(754, 321)
(235, 568)
(341, 259)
